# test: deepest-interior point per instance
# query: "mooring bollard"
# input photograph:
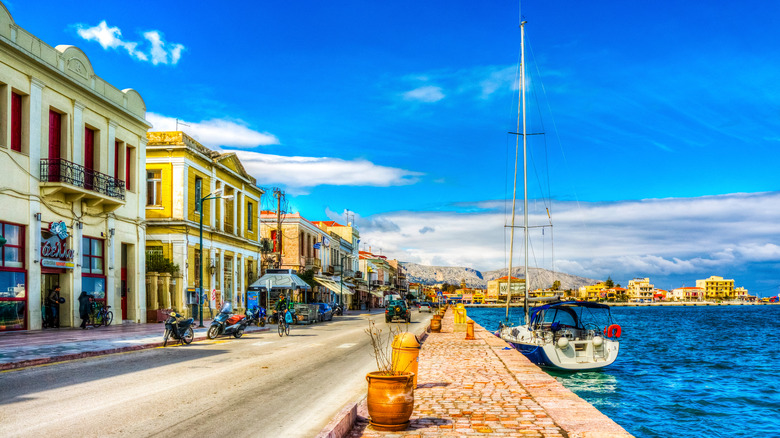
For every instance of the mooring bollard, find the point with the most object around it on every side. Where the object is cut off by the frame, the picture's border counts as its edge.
(470, 330)
(406, 352)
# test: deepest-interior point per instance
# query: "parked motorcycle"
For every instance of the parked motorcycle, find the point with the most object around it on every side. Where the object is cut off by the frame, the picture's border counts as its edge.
(179, 328)
(226, 323)
(338, 309)
(256, 316)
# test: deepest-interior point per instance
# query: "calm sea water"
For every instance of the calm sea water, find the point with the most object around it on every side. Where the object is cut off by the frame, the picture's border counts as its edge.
(684, 371)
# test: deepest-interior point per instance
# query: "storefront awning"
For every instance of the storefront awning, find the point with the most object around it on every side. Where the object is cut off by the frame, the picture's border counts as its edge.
(335, 287)
(377, 294)
(281, 279)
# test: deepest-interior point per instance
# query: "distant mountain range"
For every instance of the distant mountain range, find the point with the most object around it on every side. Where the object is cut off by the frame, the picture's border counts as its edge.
(540, 278)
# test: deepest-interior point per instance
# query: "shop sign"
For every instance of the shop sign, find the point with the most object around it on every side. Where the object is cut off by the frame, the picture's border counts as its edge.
(54, 248)
(326, 242)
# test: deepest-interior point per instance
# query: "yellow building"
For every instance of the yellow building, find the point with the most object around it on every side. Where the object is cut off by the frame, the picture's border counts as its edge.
(592, 292)
(71, 158)
(716, 288)
(179, 172)
(497, 290)
(640, 289)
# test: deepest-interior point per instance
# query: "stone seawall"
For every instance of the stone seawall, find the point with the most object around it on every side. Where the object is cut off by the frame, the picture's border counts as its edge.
(484, 388)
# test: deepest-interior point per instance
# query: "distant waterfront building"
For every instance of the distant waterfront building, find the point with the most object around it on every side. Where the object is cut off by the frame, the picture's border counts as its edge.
(640, 289)
(497, 289)
(687, 294)
(592, 292)
(741, 293)
(716, 288)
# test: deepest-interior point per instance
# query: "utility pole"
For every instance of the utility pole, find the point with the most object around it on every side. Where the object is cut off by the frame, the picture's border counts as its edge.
(278, 195)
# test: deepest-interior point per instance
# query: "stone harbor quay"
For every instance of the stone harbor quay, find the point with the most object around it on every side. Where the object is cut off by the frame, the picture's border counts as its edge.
(482, 387)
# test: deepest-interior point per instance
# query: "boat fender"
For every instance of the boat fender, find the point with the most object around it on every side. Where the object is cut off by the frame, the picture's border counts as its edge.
(597, 341)
(563, 343)
(613, 330)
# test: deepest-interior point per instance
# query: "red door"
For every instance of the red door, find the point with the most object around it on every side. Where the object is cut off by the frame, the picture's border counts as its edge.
(55, 132)
(89, 158)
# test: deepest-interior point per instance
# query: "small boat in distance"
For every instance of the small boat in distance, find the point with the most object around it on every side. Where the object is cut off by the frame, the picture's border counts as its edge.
(564, 335)
(569, 335)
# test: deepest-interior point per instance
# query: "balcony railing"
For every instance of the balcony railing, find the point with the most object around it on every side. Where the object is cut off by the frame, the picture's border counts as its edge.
(313, 263)
(62, 171)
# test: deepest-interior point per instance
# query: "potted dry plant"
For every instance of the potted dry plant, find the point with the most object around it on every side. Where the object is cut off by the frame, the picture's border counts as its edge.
(390, 398)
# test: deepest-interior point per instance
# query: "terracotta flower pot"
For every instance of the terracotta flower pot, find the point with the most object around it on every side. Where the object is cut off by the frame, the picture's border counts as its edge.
(390, 400)
(436, 325)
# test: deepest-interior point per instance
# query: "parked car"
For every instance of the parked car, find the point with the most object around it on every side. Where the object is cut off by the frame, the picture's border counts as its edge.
(397, 309)
(326, 312)
(425, 307)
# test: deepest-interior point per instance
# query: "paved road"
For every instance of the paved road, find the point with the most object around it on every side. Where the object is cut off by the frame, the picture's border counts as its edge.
(259, 385)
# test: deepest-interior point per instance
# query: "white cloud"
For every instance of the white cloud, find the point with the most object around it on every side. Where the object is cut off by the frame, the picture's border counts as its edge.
(160, 51)
(215, 132)
(426, 94)
(302, 172)
(675, 241)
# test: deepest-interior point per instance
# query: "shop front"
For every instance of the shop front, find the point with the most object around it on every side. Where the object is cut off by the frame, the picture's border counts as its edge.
(13, 278)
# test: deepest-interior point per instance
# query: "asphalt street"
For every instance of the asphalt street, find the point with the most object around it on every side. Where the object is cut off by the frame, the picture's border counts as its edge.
(259, 385)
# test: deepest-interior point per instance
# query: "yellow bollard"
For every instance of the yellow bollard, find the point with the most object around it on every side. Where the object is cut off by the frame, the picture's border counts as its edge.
(460, 314)
(470, 330)
(406, 350)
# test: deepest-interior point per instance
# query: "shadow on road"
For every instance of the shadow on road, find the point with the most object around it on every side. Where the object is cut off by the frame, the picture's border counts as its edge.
(16, 384)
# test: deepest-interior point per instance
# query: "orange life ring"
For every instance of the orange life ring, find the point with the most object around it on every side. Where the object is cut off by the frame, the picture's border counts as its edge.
(613, 330)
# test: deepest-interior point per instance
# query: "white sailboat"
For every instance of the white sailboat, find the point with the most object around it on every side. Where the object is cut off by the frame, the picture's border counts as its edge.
(571, 335)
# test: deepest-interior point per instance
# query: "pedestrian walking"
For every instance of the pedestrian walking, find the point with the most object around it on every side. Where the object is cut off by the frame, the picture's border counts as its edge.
(53, 300)
(84, 300)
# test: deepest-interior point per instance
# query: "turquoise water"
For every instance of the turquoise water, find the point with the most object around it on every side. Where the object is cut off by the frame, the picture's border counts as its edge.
(684, 371)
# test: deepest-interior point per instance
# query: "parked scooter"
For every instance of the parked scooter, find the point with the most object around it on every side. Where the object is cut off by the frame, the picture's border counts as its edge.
(338, 309)
(226, 323)
(179, 328)
(256, 316)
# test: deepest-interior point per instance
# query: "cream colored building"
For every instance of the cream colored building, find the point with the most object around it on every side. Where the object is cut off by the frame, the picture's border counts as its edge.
(72, 148)
(640, 289)
(497, 290)
(179, 172)
(716, 288)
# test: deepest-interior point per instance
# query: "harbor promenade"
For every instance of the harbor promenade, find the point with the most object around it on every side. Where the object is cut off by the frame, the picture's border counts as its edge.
(484, 388)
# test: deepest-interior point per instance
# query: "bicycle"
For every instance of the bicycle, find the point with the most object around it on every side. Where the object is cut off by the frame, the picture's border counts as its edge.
(283, 327)
(101, 315)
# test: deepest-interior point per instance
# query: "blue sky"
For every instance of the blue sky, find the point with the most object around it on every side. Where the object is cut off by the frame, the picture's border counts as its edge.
(661, 119)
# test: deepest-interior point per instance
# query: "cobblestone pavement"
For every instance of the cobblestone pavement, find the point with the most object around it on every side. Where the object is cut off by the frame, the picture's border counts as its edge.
(479, 388)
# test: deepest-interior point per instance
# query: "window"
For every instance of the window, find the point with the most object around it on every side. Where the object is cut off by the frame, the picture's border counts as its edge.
(55, 134)
(250, 217)
(13, 250)
(198, 193)
(89, 158)
(92, 258)
(16, 122)
(153, 187)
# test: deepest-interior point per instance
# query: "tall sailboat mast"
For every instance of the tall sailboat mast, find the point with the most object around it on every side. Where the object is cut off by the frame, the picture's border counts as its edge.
(525, 169)
(525, 185)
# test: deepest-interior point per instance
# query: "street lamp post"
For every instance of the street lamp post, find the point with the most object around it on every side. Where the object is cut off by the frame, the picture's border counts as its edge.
(341, 284)
(213, 195)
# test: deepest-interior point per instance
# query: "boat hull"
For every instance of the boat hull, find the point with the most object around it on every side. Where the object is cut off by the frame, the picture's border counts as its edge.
(578, 356)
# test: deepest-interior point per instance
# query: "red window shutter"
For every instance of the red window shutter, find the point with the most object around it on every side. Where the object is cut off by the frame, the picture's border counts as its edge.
(16, 122)
(273, 238)
(89, 149)
(54, 134)
(127, 168)
(117, 150)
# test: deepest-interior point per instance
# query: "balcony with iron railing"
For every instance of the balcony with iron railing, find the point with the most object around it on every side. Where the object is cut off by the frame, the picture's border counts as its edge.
(79, 183)
(313, 263)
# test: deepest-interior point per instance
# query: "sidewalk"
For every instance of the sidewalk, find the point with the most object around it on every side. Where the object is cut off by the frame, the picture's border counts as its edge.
(481, 388)
(27, 348)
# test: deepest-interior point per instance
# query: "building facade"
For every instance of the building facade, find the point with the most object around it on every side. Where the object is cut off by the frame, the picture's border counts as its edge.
(716, 288)
(72, 148)
(180, 172)
(640, 289)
